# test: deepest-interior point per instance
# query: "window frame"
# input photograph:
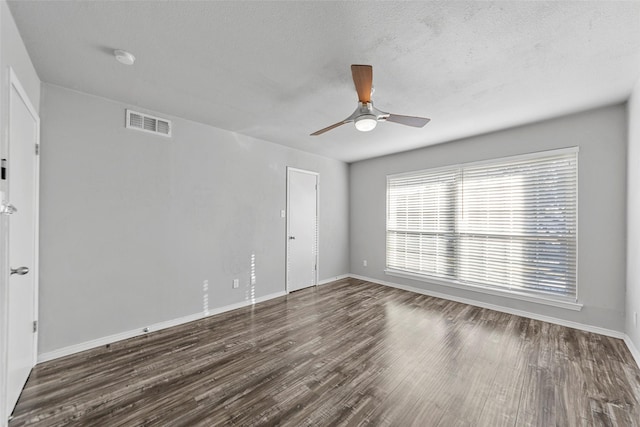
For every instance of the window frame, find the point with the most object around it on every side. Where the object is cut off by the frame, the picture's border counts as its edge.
(567, 302)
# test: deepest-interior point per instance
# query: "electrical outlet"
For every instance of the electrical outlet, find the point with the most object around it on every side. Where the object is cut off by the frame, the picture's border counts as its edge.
(364, 262)
(236, 283)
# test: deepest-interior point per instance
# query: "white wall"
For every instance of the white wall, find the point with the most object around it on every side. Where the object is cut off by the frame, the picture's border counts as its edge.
(633, 218)
(133, 224)
(12, 54)
(601, 136)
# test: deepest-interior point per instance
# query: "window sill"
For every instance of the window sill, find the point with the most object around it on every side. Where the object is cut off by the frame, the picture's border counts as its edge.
(569, 305)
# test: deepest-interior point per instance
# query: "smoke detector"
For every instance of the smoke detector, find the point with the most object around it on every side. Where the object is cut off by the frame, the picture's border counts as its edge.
(124, 57)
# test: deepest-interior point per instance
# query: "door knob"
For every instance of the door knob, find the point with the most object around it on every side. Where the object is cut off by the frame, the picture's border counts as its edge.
(20, 271)
(8, 209)
(292, 238)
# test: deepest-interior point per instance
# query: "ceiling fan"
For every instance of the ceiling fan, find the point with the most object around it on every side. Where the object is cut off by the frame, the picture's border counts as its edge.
(366, 116)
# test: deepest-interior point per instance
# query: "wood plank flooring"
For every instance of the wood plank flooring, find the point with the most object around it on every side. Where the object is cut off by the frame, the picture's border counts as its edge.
(348, 353)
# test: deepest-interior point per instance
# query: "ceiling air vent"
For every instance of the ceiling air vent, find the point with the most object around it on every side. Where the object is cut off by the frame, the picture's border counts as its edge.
(147, 123)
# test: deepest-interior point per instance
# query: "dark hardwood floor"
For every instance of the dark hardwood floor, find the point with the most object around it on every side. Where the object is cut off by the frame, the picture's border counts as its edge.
(347, 353)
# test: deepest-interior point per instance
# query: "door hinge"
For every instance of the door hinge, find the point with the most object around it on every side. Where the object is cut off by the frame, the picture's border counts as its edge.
(37, 149)
(35, 326)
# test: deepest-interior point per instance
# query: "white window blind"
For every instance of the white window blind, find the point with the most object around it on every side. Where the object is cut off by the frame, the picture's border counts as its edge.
(508, 224)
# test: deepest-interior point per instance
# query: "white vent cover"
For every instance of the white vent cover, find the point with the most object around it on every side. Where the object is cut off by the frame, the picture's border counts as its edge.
(147, 123)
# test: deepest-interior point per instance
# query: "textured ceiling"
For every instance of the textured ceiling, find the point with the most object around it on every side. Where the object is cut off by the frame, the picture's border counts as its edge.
(280, 70)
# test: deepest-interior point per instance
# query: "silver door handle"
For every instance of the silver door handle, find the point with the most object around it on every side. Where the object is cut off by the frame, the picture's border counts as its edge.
(8, 209)
(20, 271)
(292, 238)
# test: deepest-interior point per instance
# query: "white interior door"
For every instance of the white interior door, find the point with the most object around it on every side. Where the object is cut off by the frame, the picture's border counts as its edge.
(302, 229)
(23, 231)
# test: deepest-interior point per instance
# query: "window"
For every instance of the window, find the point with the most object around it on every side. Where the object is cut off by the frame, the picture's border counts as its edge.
(508, 224)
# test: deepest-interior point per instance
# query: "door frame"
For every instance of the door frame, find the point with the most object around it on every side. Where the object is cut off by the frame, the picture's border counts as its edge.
(14, 83)
(287, 234)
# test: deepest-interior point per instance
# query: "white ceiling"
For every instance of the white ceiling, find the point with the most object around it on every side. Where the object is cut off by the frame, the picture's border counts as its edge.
(280, 70)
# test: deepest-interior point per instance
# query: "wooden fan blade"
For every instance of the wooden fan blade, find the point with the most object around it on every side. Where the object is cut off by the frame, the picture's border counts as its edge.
(363, 79)
(328, 128)
(416, 122)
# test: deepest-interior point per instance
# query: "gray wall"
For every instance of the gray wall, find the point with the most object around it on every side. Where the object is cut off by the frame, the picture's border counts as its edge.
(633, 218)
(133, 224)
(12, 54)
(600, 134)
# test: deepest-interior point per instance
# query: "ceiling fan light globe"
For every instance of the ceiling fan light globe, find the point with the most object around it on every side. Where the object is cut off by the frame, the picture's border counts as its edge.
(366, 122)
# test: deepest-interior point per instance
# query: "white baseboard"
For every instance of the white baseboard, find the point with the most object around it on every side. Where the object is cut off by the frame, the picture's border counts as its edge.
(333, 279)
(633, 349)
(528, 314)
(76, 348)
(98, 342)
(575, 325)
